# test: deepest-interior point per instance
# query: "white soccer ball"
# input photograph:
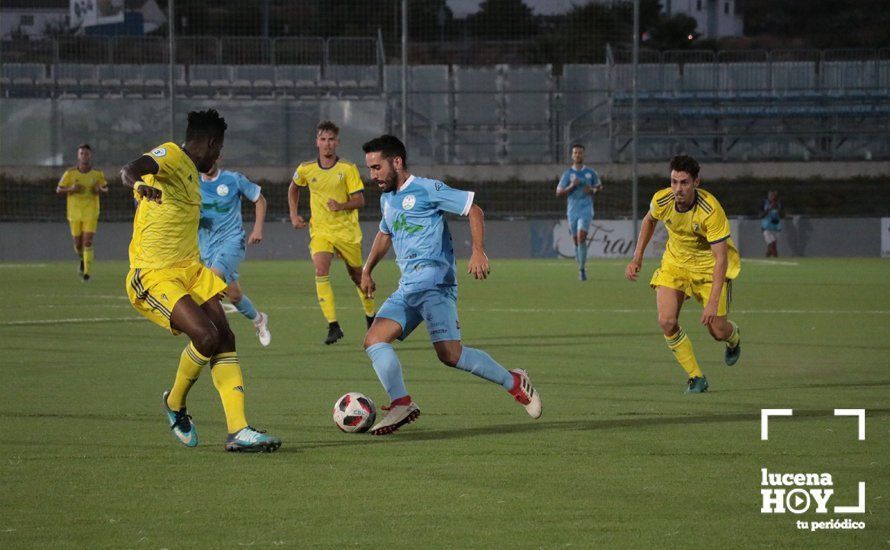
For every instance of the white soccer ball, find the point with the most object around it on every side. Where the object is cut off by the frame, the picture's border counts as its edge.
(354, 412)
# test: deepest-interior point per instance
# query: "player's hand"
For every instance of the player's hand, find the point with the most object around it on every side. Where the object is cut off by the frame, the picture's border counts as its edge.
(76, 188)
(709, 314)
(148, 192)
(479, 267)
(255, 237)
(632, 270)
(368, 285)
(334, 206)
(298, 222)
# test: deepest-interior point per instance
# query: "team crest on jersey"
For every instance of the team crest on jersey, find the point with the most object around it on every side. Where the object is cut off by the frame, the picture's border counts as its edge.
(159, 152)
(222, 189)
(408, 202)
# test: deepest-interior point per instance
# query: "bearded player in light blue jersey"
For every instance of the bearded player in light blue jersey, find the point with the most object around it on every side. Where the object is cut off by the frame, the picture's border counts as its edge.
(580, 184)
(413, 223)
(221, 236)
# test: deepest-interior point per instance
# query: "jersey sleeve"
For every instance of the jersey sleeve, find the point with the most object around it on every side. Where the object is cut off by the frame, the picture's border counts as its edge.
(248, 188)
(656, 211)
(384, 227)
(66, 180)
(716, 225)
(354, 182)
(563, 180)
(102, 181)
(166, 160)
(451, 200)
(595, 180)
(299, 178)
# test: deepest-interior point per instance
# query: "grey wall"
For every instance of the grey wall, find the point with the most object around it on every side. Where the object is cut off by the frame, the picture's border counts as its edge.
(839, 237)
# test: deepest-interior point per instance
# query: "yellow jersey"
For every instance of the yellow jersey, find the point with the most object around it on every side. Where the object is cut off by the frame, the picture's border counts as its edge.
(692, 232)
(338, 182)
(166, 235)
(83, 205)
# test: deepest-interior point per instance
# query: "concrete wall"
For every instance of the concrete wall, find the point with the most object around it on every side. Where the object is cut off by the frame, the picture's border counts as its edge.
(838, 237)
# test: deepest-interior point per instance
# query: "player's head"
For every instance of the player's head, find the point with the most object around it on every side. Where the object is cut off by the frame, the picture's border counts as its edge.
(204, 138)
(684, 178)
(84, 154)
(327, 138)
(577, 153)
(772, 196)
(386, 158)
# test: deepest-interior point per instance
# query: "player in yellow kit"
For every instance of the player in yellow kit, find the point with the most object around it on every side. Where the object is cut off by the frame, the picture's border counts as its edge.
(336, 193)
(168, 284)
(700, 261)
(82, 184)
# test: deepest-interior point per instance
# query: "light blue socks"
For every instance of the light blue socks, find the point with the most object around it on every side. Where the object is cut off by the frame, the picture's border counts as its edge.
(388, 368)
(476, 361)
(245, 307)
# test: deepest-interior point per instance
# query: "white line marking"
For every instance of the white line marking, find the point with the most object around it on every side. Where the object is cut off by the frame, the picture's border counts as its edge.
(69, 321)
(627, 310)
(21, 265)
(768, 262)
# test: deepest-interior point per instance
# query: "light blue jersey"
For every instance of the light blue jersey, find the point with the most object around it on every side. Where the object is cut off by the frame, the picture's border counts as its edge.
(221, 228)
(414, 217)
(221, 221)
(580, 204)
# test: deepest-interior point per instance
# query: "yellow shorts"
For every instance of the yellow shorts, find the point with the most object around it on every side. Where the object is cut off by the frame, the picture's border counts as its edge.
(693, 285)
(79, 227)
(351, 252)
(154, 292)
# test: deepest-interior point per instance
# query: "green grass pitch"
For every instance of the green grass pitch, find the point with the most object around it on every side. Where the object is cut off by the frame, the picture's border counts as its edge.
(620, 458)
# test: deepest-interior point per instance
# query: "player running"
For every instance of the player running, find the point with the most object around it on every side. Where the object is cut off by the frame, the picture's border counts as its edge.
(337, 192)
(579, 183)
(82, 185)
(699, 260)
(168, 284)
(221, 236)
(413, 222)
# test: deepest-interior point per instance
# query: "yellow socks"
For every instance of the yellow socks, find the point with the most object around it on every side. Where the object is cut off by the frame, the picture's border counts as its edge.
(325, 293)
(87, 259)
(190, 364)
(367, 303)
(226, 372)
(681, 345)
(733, 339)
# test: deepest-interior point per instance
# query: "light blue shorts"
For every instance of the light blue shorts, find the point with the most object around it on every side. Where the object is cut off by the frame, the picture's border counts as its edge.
(438, 307)
(225, 258)
(580, 222)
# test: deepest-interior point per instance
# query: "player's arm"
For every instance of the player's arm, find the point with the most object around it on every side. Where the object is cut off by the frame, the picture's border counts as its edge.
(65, 188)
(382, 244)
(479, 267)
(293, 201)
(102, 186)
(132, 173)
(719, 250)
(259, 220)
(566, 185)
(647, 229)
(356, 201)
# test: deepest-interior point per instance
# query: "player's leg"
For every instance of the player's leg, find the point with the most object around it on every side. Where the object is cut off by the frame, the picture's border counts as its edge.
(77, 239)
(322, 254)
(225, 369)
(394, 320)
(582, 251)
(439, 310)
(669, 302)
(573, 231)
(721, 328)
(352, 257)
(88, 249)
(224, 263)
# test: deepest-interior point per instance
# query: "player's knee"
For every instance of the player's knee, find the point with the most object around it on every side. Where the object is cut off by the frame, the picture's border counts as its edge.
(449, 357)
(234, 295)
(207, 341)
(668, 323)
(226, 340)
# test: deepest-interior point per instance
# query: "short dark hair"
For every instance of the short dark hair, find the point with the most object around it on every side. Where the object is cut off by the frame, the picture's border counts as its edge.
(578, 145)
(685, 163)
(84, 146)
(205, 124)
(327, 126)
(389, 147)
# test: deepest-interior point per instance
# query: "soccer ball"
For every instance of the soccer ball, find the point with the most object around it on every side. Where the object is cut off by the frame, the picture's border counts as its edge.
(354, 412)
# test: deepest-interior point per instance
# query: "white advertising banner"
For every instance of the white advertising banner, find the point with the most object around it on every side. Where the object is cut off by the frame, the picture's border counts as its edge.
(885, 237)
(615, 239)
(89, 13)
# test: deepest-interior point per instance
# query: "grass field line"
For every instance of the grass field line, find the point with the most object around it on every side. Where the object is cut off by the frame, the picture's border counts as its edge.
(21, 265)
(620, 310)
(762, 261)
(70, 320)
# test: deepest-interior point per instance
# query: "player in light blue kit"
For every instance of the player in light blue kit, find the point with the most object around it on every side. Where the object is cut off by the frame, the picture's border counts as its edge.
(221, 236)
(580, 184)
(413, 223)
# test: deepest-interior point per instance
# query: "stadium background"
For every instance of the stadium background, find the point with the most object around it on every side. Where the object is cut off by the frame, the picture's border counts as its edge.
(488, 96)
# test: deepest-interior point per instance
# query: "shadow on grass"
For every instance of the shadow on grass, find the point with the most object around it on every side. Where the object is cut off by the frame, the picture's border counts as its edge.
(410, 436)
